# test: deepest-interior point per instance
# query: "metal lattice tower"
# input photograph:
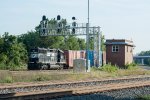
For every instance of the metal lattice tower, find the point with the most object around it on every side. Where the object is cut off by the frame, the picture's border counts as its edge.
(97, 47)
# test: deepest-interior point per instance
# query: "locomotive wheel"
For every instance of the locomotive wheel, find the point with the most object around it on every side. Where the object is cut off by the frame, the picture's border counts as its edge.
(29, 68)
(49, 67)
(43, 67)
(65, 66)
(60, 67)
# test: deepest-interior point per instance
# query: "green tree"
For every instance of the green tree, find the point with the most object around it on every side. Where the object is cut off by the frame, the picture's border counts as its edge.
(13, 54)
(30, 39)
(72, 43)
(82, 44)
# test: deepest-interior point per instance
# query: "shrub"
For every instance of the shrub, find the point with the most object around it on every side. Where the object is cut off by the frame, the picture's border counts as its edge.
(109, 68)
(131, 66)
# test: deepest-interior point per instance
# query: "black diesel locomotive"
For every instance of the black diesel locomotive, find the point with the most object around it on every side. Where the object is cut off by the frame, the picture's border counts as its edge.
(42, 58)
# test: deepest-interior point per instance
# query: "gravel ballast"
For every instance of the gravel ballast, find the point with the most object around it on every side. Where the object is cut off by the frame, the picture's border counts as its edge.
(123, 94)
(44, 87)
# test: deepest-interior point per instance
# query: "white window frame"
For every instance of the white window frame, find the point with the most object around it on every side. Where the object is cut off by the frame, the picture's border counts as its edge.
(115, 48)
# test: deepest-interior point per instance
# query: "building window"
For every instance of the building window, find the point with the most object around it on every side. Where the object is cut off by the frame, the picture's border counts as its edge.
(115, 48)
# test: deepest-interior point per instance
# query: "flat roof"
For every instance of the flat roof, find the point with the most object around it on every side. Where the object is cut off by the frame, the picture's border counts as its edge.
(119, 42)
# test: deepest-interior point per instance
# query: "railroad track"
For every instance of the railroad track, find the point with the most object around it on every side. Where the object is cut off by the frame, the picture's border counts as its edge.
(48, 91)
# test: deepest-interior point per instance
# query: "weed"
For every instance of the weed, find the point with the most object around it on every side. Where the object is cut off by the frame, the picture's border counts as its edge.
(95, 68)
(8, 79)
(41, 78)
(131, 66)
(109, 68)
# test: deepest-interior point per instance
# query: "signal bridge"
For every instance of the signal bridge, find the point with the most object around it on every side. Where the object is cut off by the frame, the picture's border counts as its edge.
(79, 29)
(74, 29)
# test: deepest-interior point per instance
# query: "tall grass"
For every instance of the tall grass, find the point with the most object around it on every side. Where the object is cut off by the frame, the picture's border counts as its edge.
(8, 79)
(114, 71)
(106, 71)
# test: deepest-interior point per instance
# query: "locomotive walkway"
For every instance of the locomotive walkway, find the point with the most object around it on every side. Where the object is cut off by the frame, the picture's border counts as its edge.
(47, 90)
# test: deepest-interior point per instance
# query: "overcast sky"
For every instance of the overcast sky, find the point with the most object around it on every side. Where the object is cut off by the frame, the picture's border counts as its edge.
(119, 19)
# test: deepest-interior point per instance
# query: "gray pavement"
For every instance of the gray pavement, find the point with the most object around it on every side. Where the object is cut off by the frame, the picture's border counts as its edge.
(145, 67)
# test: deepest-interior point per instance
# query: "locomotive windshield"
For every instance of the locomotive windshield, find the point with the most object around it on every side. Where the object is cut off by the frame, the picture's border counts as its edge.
(34, 55)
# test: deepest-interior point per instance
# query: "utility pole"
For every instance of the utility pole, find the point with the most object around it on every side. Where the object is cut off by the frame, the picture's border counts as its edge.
(87, 39)
(88, 11)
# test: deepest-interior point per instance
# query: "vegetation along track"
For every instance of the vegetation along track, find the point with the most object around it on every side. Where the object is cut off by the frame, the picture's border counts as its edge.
(51, 90)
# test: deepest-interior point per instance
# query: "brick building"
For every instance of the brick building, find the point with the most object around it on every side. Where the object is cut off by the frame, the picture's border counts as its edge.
(119, 52)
